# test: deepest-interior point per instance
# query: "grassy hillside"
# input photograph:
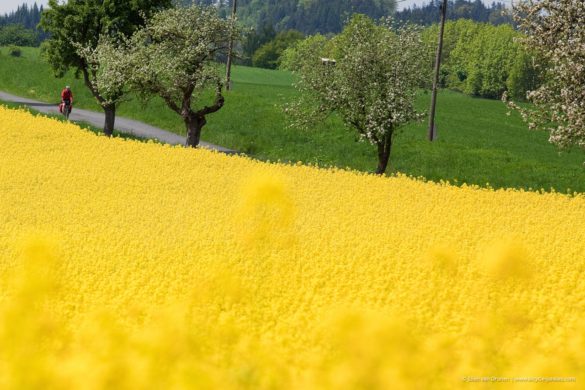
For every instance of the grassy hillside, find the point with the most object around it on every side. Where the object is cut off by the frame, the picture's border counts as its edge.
(477, 143)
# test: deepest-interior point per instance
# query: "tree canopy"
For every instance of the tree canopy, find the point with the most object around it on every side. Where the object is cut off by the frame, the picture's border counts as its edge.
(268, 55)
(78, 25)
(554, 30)
(16, 34)
(368, 75)
(484, 60)
(173, 57)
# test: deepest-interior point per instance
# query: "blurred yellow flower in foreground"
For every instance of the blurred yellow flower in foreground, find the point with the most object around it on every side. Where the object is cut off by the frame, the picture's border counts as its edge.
(175, 268)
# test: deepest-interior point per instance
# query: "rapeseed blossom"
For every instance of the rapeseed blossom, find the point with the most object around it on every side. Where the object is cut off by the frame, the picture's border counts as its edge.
(137, 265)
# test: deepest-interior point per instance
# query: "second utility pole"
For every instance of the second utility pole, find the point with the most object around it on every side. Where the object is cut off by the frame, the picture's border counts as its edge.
(228, 74)
(432, 131)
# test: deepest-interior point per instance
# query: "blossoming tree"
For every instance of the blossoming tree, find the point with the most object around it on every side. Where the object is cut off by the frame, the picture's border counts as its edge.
(368, 75)
(173, 57)
(554, 29)
(75, 28)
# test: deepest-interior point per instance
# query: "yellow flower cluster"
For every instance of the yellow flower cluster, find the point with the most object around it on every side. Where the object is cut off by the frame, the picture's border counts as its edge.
(136, 265)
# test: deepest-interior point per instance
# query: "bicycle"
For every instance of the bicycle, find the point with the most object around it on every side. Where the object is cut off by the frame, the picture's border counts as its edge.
(66, 109)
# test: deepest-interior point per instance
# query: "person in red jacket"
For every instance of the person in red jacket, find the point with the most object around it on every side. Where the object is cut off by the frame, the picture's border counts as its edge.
(66, 98)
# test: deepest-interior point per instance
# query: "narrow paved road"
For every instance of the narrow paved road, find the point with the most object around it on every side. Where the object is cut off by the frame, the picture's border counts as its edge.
(123, 125)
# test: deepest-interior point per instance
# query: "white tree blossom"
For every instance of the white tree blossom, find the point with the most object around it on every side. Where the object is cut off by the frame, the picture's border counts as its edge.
(175, 57)
(556, 30)
(372, 84)
(108, 67)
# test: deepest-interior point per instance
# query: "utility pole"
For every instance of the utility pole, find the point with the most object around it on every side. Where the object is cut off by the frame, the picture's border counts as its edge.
(437, 69)
(228, 75)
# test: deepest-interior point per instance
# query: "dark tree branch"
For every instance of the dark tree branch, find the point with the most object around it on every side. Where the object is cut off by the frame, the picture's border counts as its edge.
(90, 85)
(219, 102)
(171, 103)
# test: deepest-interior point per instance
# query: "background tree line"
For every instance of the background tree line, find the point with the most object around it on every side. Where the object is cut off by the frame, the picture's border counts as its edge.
(479, 59)
(329, 16)
(306, 16)
(475, 10)
(484, 60)
(275, 25)
(20, 27)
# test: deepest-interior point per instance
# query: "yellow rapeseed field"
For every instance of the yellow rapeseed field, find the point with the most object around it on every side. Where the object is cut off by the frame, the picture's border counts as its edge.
(135, 265)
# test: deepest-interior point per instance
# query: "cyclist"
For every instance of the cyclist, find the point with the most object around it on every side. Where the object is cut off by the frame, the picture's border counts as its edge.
(66, 98)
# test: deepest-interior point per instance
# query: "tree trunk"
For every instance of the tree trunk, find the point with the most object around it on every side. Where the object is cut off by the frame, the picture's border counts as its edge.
(110, 111)
(384, 149)
(194, 125)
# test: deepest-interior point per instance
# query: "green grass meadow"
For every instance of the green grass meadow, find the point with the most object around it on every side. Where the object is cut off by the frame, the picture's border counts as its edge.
(478, 143)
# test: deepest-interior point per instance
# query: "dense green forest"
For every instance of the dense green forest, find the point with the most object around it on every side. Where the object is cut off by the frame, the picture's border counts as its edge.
(474, 10)
(19, 27)
(306, 16)
(311, 16)
(329, 16)
(25, 15)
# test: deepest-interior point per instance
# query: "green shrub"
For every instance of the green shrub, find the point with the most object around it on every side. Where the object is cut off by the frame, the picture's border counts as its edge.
(267, 56)
(14, 51)
(17, 35)
(525, 75)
